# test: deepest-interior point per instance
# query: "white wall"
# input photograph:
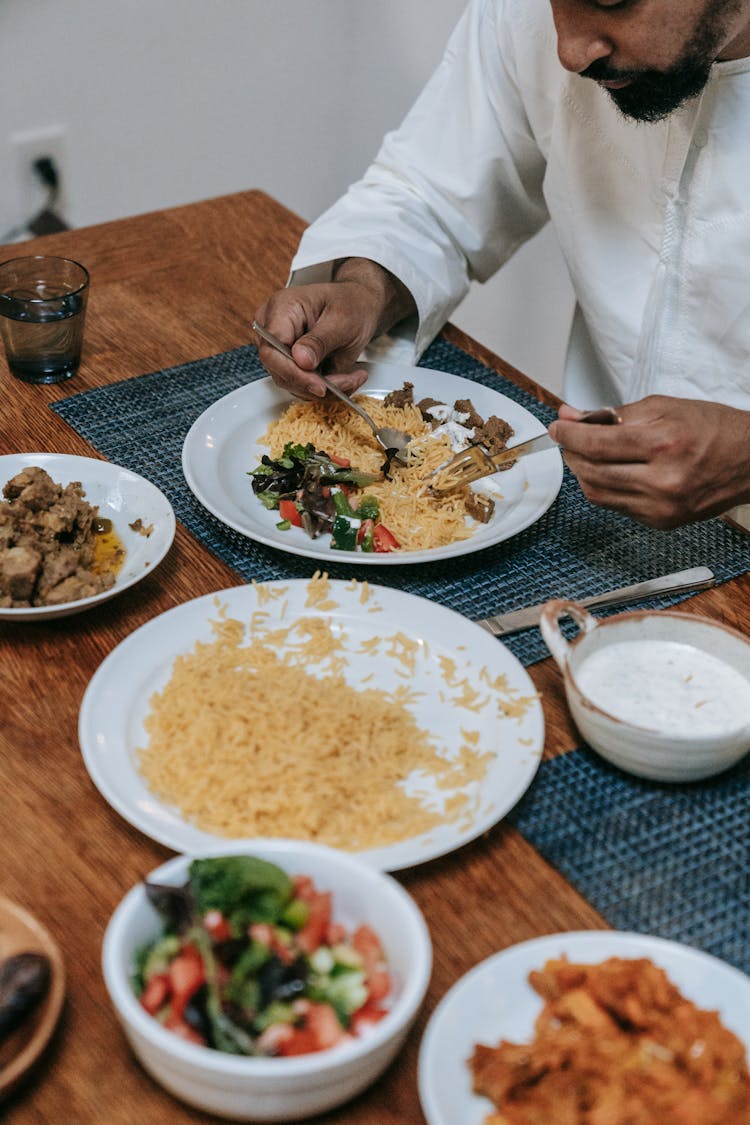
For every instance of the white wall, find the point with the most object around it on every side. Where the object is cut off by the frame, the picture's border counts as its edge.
(168, 101)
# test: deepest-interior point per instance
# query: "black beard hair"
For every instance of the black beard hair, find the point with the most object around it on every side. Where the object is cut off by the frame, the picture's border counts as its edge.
(654, 94)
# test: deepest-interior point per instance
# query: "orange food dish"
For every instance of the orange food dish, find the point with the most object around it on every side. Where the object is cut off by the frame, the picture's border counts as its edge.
(615, 1044)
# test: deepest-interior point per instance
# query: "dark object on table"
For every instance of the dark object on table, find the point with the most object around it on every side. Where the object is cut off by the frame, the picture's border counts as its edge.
(24, 981)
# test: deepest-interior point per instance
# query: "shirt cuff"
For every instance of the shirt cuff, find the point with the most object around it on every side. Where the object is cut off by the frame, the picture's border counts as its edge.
(411, 336)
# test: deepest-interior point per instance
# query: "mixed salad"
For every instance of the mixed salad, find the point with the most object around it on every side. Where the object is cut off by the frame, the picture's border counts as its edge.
(252, 963)
(316, 491)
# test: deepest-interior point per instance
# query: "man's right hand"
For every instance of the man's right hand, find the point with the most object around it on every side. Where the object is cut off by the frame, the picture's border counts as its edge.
(328, 325)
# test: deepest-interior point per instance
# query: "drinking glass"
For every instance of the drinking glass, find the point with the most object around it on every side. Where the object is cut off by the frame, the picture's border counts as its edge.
(42, 310)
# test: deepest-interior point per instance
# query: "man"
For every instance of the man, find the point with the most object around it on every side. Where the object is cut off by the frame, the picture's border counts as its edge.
(636, 148)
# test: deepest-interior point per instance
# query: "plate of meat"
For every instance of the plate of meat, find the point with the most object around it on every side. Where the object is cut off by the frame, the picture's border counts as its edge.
(590, 1025)
(74, 532)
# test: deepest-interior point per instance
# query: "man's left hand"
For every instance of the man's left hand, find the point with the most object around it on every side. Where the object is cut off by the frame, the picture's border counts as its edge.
(670, 461)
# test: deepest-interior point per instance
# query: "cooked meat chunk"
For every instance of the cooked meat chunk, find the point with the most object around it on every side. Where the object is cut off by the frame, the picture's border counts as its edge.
(423, 406)
(57, 567)
(466, 406)
(47, 541)
(400, 398)
(493, 434)
(82, 584)
(19, 567)
(7, 529)
(479, 506)
(52, 523)
(33, 487)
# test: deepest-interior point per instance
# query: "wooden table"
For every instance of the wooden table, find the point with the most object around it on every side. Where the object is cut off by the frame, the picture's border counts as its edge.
(167, 288)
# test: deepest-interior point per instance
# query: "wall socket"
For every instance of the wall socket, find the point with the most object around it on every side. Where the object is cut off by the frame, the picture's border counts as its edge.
(29, 145)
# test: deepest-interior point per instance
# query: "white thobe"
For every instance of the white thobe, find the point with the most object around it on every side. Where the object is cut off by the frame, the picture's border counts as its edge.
(653, 219)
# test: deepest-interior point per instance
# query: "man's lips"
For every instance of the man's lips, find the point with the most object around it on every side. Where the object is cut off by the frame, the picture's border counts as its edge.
(615, 83)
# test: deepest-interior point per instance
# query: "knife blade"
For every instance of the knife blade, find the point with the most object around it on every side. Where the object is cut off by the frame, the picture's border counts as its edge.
(696, 578)
(533, 445)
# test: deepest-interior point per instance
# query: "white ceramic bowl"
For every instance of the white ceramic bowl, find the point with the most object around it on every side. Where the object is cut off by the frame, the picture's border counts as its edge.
(650, 748)
(121, 496)
(277, 1089)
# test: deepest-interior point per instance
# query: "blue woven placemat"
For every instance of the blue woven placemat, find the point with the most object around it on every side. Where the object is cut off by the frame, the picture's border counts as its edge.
(572, 551)
(670, 860)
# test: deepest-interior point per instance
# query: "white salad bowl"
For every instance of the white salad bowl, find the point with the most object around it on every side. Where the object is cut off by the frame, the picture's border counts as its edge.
(277, 1089)
(662, 738)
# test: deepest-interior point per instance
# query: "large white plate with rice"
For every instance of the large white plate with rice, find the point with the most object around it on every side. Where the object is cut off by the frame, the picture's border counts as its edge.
(303, 759)
(494, 1001)
(223, 446)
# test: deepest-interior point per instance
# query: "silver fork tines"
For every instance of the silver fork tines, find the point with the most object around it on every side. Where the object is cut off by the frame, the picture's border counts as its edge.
(475, 462)
(467, 465)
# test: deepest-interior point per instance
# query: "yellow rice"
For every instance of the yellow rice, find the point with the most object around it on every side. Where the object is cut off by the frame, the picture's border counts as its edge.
(245, 742)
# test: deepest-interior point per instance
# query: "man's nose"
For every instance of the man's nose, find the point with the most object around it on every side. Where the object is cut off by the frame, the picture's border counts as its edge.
(579, 43)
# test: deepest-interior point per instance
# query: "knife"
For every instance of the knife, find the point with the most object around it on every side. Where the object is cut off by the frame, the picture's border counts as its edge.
(697, 578)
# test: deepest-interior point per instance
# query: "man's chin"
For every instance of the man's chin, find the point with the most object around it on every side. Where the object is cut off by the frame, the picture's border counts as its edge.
(647, 101)
(636, 108)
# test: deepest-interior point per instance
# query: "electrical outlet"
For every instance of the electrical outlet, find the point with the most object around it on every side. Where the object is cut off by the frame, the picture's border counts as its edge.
(29, 146)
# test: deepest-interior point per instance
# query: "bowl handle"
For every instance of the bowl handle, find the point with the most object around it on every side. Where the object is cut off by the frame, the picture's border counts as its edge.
(550, 627)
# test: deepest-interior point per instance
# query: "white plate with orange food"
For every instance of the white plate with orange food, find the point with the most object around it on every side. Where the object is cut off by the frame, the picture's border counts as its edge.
(225, 444)
(495, 1002)
(352, 715)
(136, 530)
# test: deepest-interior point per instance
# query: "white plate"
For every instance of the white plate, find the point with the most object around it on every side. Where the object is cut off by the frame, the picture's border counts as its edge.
(494, 1001)
(122, 497)
(111, 722)
(222, 447)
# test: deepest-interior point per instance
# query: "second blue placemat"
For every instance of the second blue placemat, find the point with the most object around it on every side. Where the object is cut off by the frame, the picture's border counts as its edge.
(670, 860)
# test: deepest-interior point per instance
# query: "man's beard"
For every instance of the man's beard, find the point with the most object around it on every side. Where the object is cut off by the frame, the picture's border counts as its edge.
(654, 94)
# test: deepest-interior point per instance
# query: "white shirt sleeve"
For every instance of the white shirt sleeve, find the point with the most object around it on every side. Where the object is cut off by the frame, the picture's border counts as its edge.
(454, 191)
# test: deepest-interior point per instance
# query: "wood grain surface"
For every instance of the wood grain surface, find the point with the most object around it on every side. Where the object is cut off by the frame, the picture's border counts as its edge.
(167, 288)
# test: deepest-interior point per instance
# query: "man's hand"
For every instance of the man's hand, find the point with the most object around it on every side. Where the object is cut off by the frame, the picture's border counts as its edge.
(671, 461)
(327, 326)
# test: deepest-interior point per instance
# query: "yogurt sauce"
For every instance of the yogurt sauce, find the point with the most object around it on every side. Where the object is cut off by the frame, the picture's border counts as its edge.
(451, 423)
(666, 686)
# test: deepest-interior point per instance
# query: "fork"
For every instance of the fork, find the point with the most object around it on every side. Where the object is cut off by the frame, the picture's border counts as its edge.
(393, 441)
(475, 462)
